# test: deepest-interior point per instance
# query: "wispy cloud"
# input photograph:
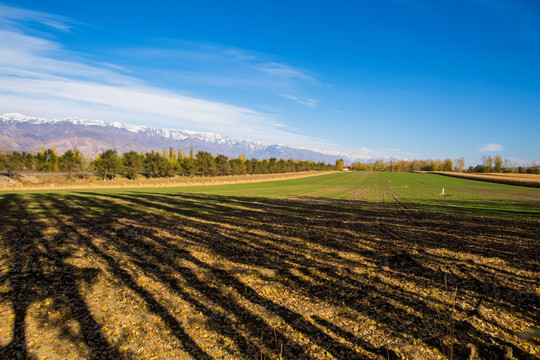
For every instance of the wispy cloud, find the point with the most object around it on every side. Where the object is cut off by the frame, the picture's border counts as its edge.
(28, 56)
(301, 100)
(12, 16)
(284, 71)
(39, 77)
(490, 147)
(219, 66)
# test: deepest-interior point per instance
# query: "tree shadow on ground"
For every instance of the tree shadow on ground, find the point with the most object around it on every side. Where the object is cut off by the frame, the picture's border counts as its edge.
(239, 277)
(37, 269)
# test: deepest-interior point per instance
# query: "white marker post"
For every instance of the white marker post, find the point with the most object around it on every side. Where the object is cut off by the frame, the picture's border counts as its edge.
(442, 192)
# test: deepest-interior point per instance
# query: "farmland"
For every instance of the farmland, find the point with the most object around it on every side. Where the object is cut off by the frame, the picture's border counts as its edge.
(532, 180)
(339, 266)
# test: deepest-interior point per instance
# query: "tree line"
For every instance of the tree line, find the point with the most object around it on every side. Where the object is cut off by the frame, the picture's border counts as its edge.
(169, 162)
(489, 164)
(151, 164)
(410, 165)
(497, 164)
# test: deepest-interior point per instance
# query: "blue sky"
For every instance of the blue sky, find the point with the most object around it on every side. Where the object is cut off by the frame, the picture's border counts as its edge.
(404, 78)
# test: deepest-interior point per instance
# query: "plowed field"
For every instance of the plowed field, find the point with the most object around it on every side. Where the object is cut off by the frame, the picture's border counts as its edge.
(340, 266)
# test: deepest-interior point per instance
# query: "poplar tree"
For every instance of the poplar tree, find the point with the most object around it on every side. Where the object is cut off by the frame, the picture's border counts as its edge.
(498, 162)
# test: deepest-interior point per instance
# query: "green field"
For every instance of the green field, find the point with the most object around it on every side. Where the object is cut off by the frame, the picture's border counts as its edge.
(340, 266)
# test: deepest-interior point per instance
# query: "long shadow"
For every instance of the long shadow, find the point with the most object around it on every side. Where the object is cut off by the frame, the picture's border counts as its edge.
(433, 229)
(148, 258)
(507, 252)
(316, 247)
(37, 271)
(154, 306)
(383, 352)
(414, 270)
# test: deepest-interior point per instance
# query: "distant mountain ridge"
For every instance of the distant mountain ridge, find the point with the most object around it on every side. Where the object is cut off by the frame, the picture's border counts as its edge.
(19, 132)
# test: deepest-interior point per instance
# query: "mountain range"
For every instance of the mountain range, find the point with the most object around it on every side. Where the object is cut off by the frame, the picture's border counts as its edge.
(19, 132)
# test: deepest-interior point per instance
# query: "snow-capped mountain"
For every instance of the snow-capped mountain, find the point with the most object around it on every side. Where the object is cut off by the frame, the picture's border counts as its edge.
(25, 133)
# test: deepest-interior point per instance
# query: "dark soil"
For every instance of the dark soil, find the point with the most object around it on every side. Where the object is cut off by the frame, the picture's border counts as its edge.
(165, 276)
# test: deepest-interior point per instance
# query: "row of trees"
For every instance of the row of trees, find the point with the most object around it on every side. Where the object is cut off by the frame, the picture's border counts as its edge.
(410, 165)
(497, 165)
(169, 162)
(489, 165)
(152, 164)
(45, 160)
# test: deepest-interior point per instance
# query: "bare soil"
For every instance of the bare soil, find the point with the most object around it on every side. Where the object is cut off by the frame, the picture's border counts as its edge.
(168, 276)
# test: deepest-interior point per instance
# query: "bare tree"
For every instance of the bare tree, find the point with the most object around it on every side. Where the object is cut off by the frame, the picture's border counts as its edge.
(459, 164)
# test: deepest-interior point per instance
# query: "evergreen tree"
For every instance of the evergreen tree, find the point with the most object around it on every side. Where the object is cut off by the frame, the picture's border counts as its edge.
(133, 164)
(222, 165)
(237, 166)
(10, 162)
(26, 160)
(205, 164)
(107, 164)
(70, 161)
(188, 166)
(47, 160)
(156, 165)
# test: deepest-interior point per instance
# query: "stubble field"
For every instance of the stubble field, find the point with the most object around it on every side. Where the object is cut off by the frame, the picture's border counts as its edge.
(340, 266)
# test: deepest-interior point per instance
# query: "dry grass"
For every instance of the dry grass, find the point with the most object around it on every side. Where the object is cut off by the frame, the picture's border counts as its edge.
(60, 182)
(530, 180)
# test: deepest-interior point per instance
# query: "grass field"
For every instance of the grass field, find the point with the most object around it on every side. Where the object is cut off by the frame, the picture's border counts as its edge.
(340, 266)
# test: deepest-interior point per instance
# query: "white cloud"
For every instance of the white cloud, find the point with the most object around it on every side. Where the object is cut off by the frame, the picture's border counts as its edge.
(14, 16)
(31, 57)
(302, 101)
(283, 71)
(39, 77)
(219, 66)
(490, 147)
